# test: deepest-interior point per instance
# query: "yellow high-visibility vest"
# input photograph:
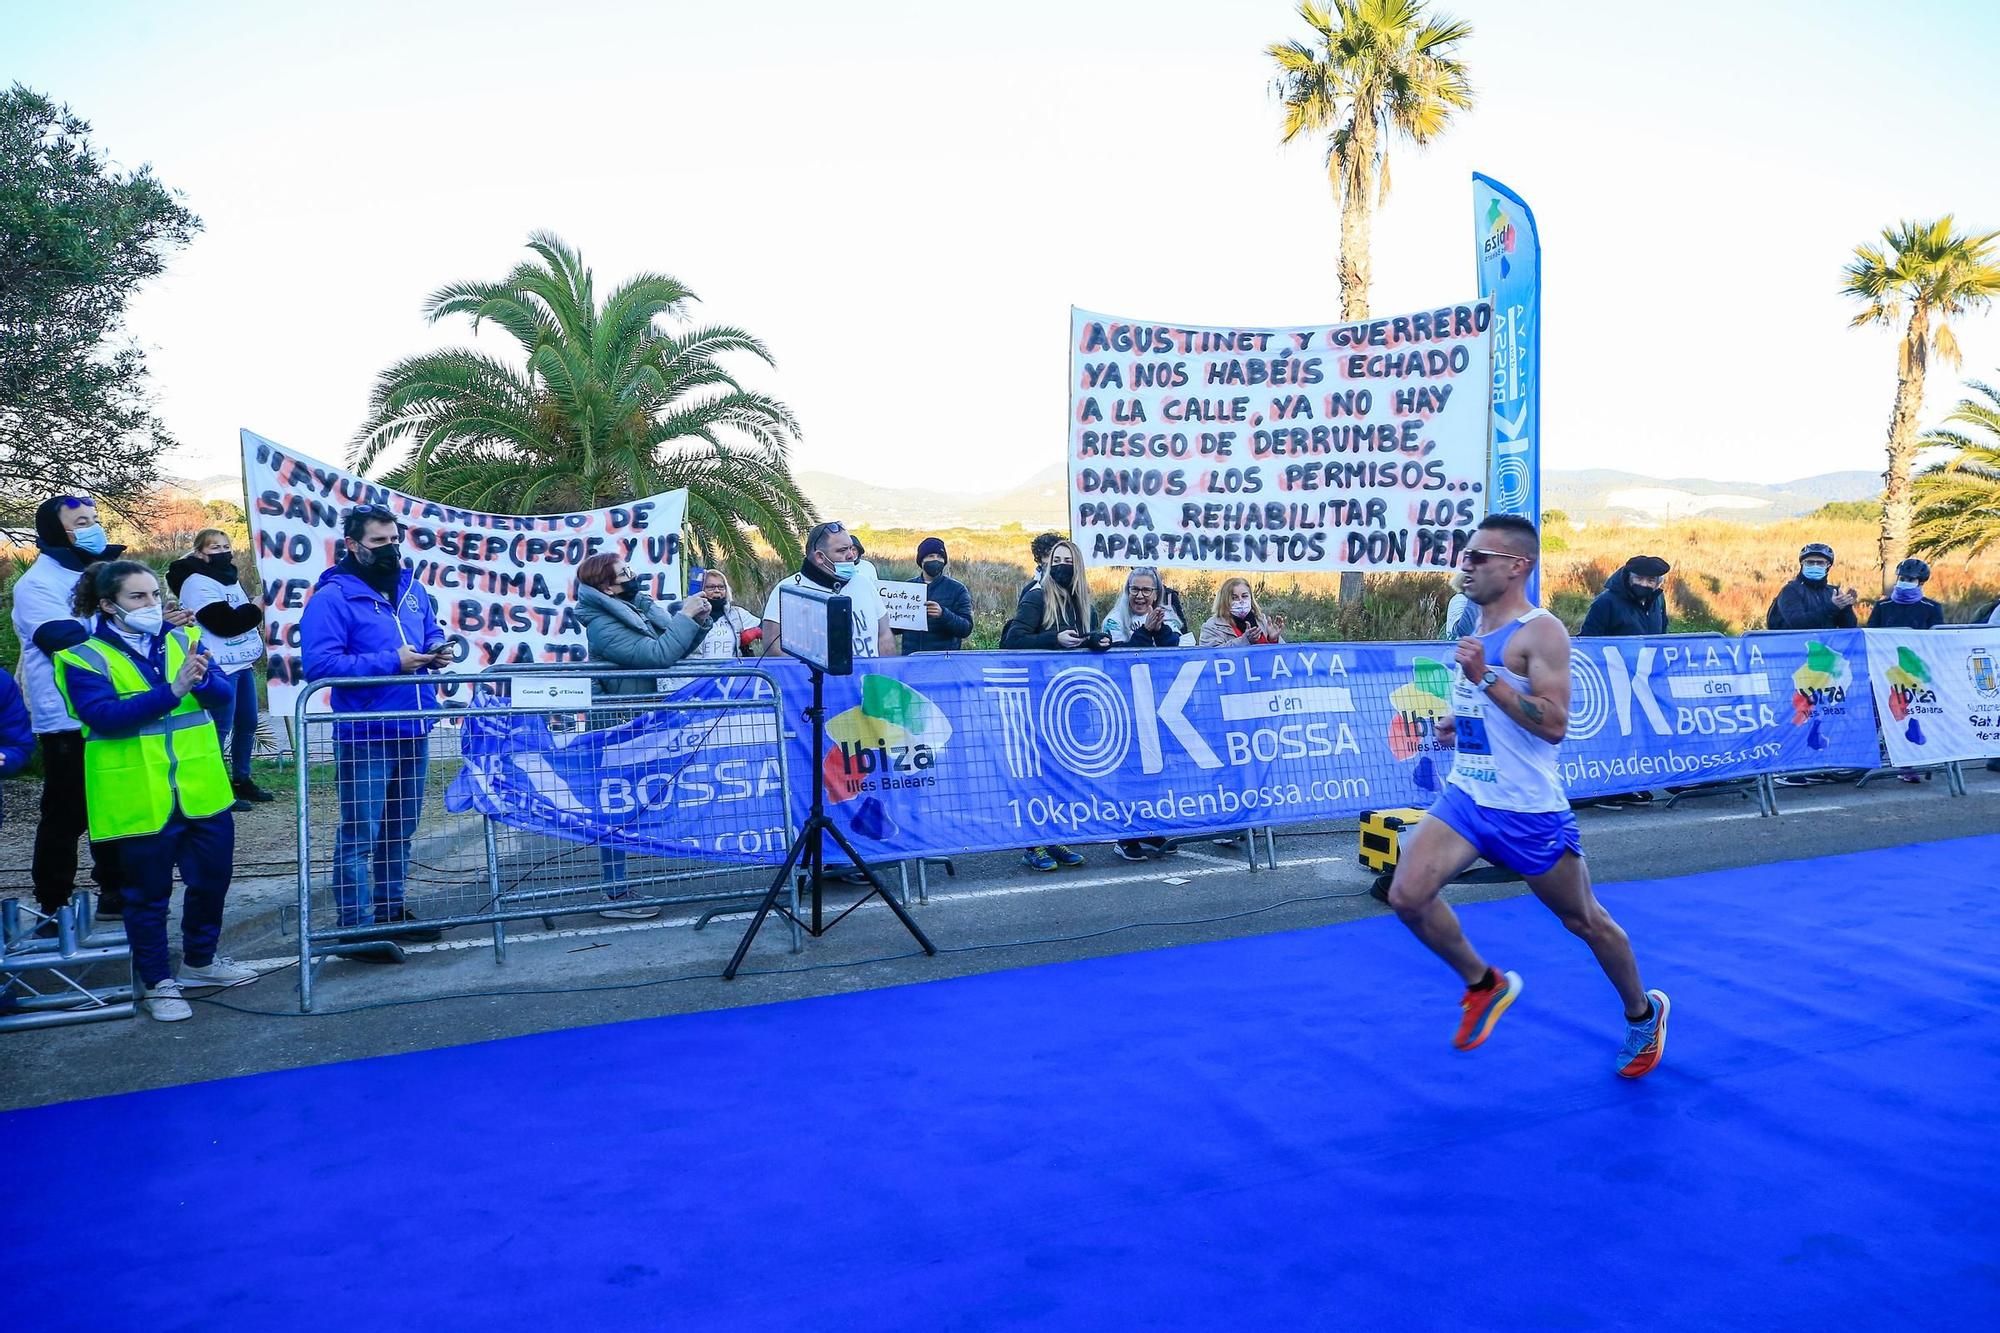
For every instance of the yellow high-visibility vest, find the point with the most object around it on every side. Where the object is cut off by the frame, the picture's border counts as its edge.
(132, 783)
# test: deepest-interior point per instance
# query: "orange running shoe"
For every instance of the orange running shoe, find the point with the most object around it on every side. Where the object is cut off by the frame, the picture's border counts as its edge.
(1483, 1009)
(1645, 1042)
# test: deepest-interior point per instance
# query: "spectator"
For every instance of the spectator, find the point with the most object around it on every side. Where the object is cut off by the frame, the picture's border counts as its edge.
(154, 775)
(624, 627)
(1907, 607)
(1238, 621)
(1038, 550)
(209, 587)
(1631, 602)
(1461, 616)
(831, 565)
(732, 631)
(863, 566)
(949, 604)
(1809, 601)
(1143, 620)
(17, 731)
(369, 617)
(1056, 614)
(69, 538)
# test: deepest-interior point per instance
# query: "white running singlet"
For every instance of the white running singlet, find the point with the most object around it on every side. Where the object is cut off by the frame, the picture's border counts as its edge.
(1502, 765)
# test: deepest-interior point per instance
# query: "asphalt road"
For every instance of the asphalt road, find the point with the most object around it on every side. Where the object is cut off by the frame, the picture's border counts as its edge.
(994, 914)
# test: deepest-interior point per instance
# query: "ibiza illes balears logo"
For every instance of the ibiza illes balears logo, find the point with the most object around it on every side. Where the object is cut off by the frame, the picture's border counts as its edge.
(1500, 237)
(889, 741)
(1912, 693)
(1420, 703)
(1819, 688)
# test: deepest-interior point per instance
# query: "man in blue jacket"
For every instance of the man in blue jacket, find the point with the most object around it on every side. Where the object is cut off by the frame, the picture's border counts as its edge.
(369, 617)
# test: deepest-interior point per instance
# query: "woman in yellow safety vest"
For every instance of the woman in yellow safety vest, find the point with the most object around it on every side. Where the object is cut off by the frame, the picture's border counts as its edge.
(153, 773)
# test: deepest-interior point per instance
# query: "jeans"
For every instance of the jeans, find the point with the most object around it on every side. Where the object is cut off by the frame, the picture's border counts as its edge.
(64, 820)
(237, 719)
(203, 849)
(381, 796)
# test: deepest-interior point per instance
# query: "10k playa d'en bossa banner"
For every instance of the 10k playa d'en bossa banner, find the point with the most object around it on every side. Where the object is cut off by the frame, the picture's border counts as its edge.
(503, 584)
(945, 753)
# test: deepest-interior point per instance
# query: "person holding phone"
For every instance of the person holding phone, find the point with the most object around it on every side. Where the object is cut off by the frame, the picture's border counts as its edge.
(141, 691)
(1056, 614)
(368, 617)
(1813, 600)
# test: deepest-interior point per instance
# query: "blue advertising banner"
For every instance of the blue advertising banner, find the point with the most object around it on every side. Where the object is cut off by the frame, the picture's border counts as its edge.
(940, 754)
(1510, 276)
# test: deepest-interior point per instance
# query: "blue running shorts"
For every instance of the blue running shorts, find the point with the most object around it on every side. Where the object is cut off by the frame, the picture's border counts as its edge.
(1527, 844)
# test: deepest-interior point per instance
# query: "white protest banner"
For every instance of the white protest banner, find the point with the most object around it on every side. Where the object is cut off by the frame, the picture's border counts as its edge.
(903, 605)
(504, 584)
(1937, 692)
(1326, 448)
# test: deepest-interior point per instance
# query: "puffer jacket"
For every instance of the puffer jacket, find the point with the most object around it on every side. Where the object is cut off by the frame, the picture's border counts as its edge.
(639, 634)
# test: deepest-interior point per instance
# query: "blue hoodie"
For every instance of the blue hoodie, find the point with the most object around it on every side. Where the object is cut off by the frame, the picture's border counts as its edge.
(17, 736)
(349, 629)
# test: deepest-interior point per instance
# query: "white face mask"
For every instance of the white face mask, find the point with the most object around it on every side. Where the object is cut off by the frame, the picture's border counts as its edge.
(1240, 606)
(145, 620)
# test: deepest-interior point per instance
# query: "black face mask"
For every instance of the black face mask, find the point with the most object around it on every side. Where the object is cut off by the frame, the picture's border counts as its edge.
(380, 567)
(717, 602)
(626, 591)
(934, 568)
(1646, 596)
(1063, 575)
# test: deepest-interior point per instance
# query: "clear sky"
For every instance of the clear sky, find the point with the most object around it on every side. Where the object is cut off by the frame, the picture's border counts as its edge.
(904, 197)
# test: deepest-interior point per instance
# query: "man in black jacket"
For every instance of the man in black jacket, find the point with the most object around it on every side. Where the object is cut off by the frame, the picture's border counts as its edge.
(1631, 602)
(1811, 601)
(949, 604)
(1907, 607)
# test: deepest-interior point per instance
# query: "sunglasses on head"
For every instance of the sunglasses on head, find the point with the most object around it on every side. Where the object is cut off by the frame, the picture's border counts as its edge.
(77, 502)
(372, 511)
(1474, 557)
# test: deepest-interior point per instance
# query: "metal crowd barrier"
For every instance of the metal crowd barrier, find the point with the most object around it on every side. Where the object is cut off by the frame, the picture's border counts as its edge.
(52, 977)
(456, 868)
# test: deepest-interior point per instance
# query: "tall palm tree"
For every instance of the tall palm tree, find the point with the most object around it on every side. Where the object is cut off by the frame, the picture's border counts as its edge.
(615, 401)
(1375, 69)
(1958, 501)
(1938, 273)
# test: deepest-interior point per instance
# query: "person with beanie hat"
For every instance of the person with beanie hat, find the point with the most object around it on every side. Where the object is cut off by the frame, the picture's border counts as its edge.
(1907, 607)
(69, 539)
(1812, 600)
(949, 604)
(1631, 602)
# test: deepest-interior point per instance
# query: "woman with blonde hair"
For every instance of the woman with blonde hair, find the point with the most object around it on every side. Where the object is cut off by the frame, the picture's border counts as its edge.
(1056, 613)
(1238, 621)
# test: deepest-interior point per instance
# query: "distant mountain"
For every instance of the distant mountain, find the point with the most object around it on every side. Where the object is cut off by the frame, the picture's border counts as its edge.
(1593, 495)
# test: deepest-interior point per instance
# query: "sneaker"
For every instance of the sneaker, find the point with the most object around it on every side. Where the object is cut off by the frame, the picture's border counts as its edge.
(1483, 1009)
(629, 913)
(246, 789)
(1911, 777)
(1645, 1042)
(1063, 856)
(1130, 851)
(1158, 846)
(1038, 858)
(398, 924)
(164, 1002)
(220, 971)
(239, 806)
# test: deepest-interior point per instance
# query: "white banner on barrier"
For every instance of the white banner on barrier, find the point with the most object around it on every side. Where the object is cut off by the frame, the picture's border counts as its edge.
(503, 584)
(1937, 692)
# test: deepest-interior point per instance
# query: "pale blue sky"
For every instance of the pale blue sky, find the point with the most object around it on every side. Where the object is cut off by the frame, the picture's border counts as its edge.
(903, 199)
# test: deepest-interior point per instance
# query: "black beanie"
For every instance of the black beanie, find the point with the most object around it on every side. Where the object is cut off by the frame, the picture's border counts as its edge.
(931, 546)
(1647, 566)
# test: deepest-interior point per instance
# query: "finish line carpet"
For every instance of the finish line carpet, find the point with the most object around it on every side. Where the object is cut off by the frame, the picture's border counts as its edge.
(1263, 1133)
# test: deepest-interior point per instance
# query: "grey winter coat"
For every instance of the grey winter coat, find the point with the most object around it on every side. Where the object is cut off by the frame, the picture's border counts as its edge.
(639, 634)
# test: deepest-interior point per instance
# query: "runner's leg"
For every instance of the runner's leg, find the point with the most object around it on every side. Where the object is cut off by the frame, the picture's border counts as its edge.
(1564, 889)
(1432, 855)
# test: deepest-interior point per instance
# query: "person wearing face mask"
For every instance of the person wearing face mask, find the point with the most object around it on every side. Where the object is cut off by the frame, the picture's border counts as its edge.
(1907, 607)
(1056, 614)
(141, 691)
(732, 631)
(948, 604)
(1812, 600)
(1631, 602)
(208, 585)
(368, 616)
(832, 564)
(1238, 621)
(68, 538)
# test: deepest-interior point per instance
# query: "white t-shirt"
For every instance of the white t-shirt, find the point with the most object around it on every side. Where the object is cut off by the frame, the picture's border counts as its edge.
(862, 593)
(723, 633)
(238, 650)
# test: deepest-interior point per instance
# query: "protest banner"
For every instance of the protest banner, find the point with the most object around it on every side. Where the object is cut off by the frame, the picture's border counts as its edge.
(903, 605)
(504, 584)
(1937, 692)
(1325, 448)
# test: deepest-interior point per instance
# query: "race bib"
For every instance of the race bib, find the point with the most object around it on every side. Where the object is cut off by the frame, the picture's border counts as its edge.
(1475, 751)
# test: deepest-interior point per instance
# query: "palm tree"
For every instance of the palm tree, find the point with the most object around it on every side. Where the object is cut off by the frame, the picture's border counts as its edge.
(610, 405)
(1377, 68)
(1958, 501)
(1939, 274)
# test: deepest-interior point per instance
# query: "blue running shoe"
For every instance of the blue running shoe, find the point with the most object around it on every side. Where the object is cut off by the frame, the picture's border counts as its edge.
(1064, 856)
(1038, 858)
(1645, 1042)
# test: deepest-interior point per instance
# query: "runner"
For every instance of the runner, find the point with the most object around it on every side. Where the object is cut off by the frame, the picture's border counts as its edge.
(1505, 802)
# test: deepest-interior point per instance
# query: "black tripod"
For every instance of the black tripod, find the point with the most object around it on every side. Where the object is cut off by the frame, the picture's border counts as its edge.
(809, 847)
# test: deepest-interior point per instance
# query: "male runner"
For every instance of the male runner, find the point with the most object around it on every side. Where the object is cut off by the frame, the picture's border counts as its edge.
(1505, 802)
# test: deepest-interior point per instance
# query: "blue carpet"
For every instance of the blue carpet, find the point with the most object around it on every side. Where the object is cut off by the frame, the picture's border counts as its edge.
(1264, 1133)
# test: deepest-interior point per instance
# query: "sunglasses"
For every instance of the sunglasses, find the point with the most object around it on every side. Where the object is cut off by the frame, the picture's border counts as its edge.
(1474, 557)
(77, 502)
(372, 511)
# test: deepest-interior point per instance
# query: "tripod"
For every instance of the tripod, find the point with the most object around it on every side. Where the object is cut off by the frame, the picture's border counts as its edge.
(809, 846)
